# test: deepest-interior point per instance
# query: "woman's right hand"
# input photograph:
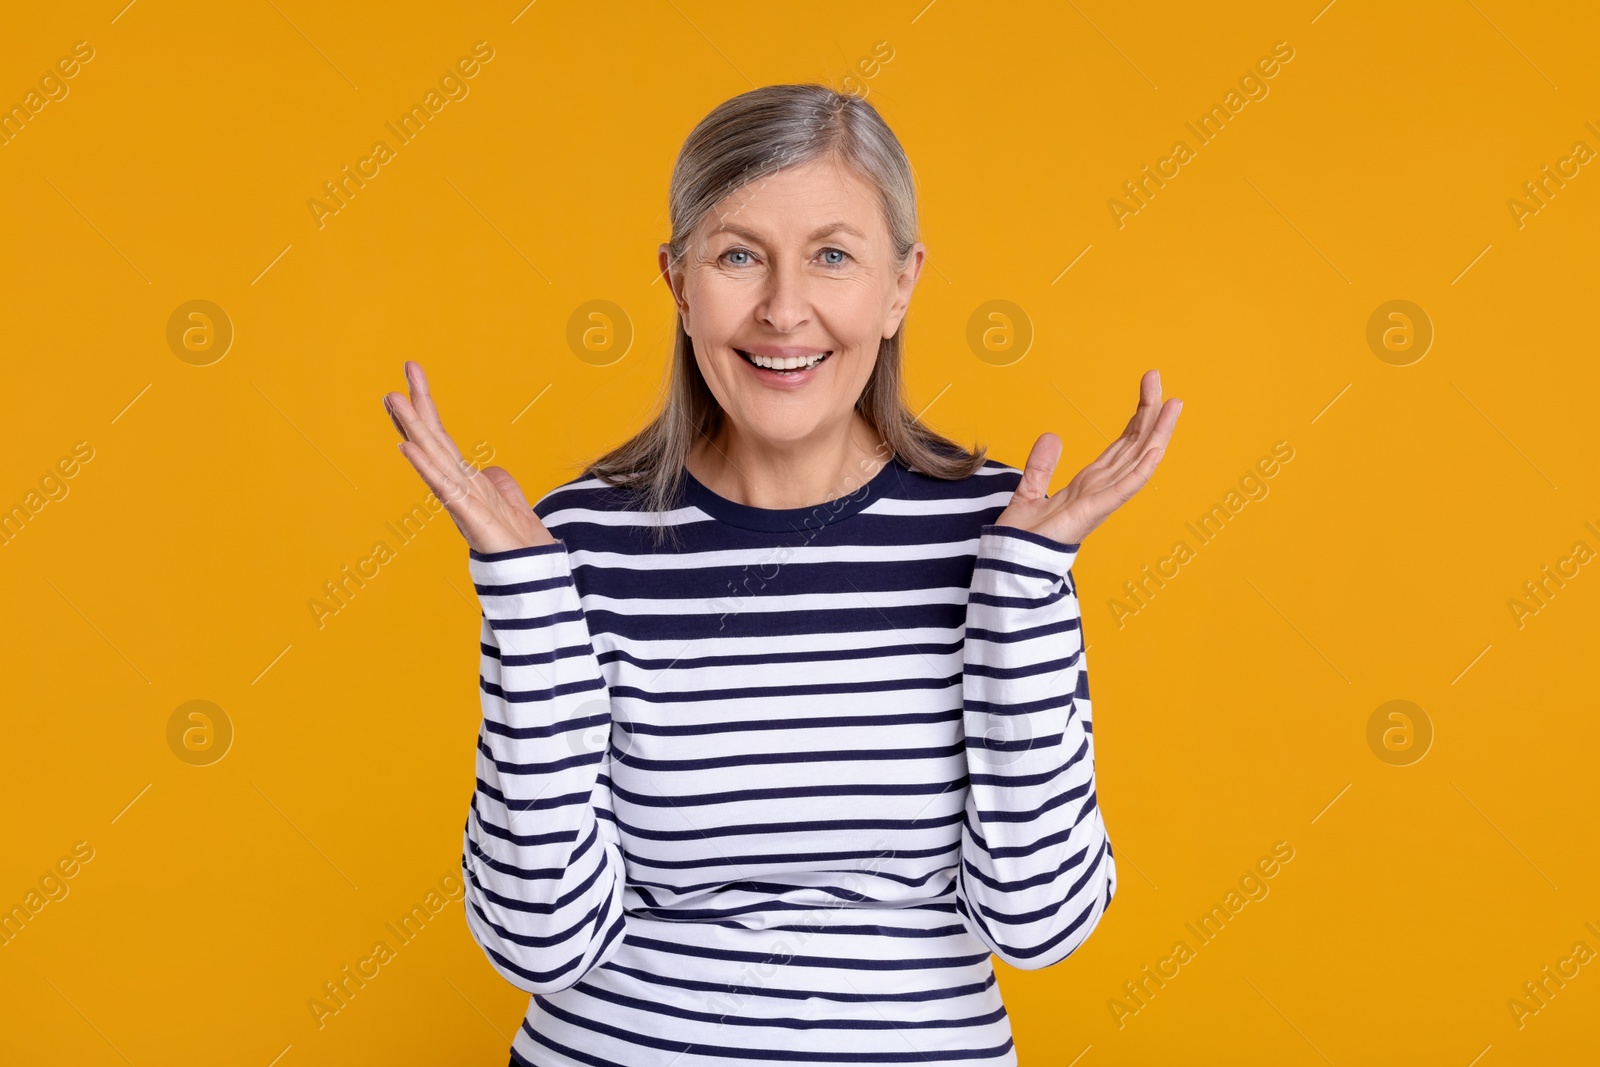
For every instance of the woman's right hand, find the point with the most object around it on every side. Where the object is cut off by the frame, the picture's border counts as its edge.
(486, 506)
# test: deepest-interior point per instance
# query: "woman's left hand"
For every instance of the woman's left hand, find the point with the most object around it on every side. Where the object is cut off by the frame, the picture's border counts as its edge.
(1102, 486)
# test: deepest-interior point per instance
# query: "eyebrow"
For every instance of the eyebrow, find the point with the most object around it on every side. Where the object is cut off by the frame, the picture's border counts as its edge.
(816, 235)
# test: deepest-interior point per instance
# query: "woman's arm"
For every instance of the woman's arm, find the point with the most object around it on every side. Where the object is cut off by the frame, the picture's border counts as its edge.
(1036, 870)
(544, 873)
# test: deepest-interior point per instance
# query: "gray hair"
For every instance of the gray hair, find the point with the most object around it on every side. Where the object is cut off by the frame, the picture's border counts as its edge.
(743, 140)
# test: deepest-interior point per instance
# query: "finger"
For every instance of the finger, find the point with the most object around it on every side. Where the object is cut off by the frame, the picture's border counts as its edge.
(419, 416)
(1123, 488)
(445, 483)
(413, 426)
(507, 487)
(1036, 473)
(1117, 451)
(389, 409)
(1157, 438)
(442, 455)
(1144, 416)
(1135, 437)
(422, 400)
(1099, 505)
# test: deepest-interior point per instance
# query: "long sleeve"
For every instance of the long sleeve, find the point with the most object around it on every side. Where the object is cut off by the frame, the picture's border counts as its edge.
(543, 871)
(1036, 869)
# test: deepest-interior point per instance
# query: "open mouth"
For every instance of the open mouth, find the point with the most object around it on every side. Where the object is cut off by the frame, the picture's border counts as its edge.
(787, 365)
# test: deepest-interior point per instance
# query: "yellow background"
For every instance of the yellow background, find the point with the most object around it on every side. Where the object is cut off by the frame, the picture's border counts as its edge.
(1231, 710)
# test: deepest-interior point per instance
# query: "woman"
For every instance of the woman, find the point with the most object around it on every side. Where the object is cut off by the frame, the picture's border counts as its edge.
(786, 725)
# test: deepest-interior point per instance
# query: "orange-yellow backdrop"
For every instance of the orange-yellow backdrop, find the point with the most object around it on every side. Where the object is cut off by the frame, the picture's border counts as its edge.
(1242, 700)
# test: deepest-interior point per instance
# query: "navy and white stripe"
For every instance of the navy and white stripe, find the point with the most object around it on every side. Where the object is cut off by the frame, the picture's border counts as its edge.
(775, 793)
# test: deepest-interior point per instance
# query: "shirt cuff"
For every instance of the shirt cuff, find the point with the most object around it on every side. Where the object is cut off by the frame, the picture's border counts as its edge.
(1027, 549)
(519, 582)
(515, 553)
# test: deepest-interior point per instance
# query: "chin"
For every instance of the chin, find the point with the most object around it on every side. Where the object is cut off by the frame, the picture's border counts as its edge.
(778, 427)
(779, 422)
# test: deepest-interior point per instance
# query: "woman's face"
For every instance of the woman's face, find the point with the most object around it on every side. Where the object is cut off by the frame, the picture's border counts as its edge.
(786, 269)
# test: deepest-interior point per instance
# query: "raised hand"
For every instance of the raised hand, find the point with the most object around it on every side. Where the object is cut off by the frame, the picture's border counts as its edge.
(1101, 487)
(486, 506)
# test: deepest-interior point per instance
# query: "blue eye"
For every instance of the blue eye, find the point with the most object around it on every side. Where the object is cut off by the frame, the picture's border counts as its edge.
(826, 251)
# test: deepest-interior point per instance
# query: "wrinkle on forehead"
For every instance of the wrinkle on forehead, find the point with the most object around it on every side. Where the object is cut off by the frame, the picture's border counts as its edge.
(855, 187)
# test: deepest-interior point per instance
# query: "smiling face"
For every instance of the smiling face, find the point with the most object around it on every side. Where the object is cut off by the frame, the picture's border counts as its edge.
(787, 290)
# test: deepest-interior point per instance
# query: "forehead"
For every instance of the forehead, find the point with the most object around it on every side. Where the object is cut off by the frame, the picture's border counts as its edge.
(804, 202)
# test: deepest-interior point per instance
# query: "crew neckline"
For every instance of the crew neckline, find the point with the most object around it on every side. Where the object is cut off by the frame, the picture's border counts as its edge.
(790, 520)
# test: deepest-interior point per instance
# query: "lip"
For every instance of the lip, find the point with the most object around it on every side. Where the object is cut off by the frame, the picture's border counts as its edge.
(785, 380)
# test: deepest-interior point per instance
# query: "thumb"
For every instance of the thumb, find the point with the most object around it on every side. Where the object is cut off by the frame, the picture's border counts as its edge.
(1041, 465)
(507, 486)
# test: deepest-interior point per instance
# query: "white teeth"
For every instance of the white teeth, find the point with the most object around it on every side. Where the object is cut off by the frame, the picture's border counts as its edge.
(786, 363)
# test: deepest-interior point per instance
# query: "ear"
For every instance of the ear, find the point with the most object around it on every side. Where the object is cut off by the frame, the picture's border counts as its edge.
(664, 261)
(904, 283)
(675, 282)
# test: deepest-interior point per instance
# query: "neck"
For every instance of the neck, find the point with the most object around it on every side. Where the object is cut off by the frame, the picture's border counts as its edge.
(761, 473)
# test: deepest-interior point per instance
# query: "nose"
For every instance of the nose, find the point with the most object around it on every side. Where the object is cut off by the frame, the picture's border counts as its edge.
(786, 301)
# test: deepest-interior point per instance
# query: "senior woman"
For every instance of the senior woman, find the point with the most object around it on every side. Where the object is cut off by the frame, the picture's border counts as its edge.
(786, 721)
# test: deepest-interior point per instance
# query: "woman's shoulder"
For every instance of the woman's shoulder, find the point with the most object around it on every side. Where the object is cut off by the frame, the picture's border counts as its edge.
(989, 477)
(594, 514)
(586, 492)
(952, 509)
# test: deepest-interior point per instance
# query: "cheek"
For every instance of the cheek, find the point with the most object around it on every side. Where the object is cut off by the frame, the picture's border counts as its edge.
(718, 308)
(856, 314)
(861, 369)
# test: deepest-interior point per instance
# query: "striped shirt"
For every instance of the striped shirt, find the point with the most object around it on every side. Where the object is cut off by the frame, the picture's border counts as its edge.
(775, 793)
